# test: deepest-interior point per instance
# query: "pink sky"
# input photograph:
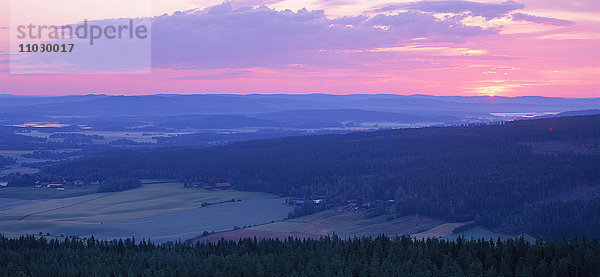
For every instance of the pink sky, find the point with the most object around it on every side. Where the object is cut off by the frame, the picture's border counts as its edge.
(534, 47)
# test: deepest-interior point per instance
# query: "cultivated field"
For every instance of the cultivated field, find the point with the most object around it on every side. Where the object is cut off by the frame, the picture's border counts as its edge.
(443, 230)
(20, 159)
(29, 193)
(190, 223)
(346, 225)
(166, 207)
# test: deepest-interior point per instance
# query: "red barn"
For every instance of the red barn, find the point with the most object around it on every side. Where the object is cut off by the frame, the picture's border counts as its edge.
(56, 186)
(222, 186)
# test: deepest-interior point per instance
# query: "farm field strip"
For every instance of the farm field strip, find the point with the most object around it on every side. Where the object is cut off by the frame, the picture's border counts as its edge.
(190, 223)
(54, 215)
(28, 193)
(67, 206)
(443, 230)
(354, 224)
(343, 224)
(7, 203)
(22, 211)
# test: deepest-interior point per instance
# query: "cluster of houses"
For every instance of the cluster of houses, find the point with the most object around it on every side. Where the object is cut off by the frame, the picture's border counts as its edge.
(44, 185)
(215, 186)
(351, 205)
(354, 205)
(54, 185)
(299, 201)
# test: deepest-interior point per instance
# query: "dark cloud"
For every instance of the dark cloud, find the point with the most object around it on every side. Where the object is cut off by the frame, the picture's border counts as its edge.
(223, 37)
(487, 10)
(541, 19)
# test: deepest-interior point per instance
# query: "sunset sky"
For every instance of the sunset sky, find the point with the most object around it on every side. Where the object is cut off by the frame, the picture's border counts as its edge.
(512, 48)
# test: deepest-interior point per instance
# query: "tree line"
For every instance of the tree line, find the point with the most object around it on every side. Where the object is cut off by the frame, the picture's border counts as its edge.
(328, 256)
(5, 160)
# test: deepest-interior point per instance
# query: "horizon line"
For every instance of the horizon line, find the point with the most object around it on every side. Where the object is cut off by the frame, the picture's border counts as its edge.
(290, 94)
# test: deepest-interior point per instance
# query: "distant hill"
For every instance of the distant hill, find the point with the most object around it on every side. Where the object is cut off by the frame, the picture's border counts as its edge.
(578, 113)
(162, 112)
(163, 104)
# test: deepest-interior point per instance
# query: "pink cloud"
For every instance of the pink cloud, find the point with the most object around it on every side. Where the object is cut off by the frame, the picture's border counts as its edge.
(541, 19)
(487, 10)
(222, 36)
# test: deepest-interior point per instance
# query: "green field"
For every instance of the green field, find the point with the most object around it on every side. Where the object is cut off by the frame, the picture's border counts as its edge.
(20, 159)
(350, 224)
(17, 168)
(54, 214)
(355, 224)
(190, 223)
(29, 193)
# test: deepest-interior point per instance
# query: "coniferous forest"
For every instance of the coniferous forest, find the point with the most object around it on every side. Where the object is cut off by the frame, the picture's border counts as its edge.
(328, 256)
(512, 177)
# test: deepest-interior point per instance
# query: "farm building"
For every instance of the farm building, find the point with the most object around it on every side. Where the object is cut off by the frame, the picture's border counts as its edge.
(352, 204)
(49, 185)
(222, 186)
(198, 185)
(296, 201)
(218, 186)
(41, 184)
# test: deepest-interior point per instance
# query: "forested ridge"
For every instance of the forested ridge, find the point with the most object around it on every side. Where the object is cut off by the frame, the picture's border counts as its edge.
(494, 174)
(328, 256)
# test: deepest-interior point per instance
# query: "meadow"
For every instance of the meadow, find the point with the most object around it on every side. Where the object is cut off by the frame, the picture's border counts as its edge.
(189, 223)
(356, 224)
(166, 207)
(30, 193)
(351, 224)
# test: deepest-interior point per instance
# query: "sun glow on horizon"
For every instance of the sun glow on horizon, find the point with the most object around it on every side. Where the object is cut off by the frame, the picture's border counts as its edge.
(494, 90)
